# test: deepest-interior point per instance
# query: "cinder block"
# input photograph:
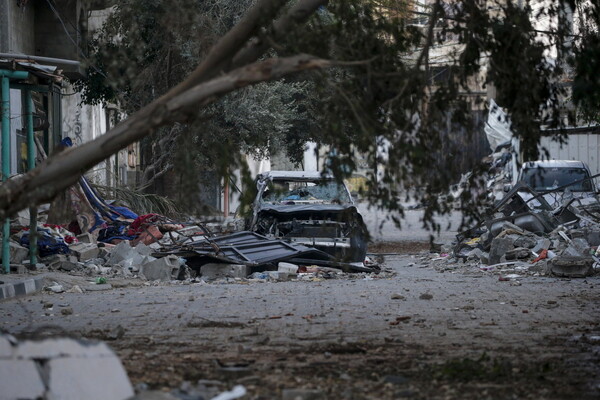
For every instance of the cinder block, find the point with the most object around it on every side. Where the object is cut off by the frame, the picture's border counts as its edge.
(215, 271)
(64, 265)
(85, 251)
(163, 269)
(20, 379)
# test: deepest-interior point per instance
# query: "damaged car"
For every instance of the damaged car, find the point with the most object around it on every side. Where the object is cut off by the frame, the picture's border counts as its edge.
(311, 209)
(562, 181)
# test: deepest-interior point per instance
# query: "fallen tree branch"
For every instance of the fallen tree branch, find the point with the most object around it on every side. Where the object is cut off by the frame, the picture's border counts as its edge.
(64, 169)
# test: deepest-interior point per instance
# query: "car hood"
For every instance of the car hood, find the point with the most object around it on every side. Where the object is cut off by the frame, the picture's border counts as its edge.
(300, 208)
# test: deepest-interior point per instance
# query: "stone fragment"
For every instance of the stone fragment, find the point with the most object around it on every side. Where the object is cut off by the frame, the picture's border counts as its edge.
(215, 271)
(64, 265)
(571, 267)
(479, 254)
(519, 253)
(66, 311)
(163, 269)
(525, 241)
(498, 248)
(426, 296)
(85, 251)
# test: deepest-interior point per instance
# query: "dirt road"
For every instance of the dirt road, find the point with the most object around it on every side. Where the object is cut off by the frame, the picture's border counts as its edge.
(409, 333)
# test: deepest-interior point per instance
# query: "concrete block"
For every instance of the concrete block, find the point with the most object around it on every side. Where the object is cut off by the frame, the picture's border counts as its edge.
(163, 269)
(571, 267)
(19, 269)
(20, 379)
(99, 378)
(216, 271)
(86, 238)
(7, 291)
(85, 251)
(18, 253)
(25, 287)
(498, 248)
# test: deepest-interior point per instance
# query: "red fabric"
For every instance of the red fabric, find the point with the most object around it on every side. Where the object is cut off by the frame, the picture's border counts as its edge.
(543, 254)
(139, 225)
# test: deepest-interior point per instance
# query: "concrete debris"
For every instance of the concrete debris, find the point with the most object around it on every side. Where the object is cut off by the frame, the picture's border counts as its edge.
(571, 267)
(162, 269)
(213, 271)
(61, 368)
(524, 228)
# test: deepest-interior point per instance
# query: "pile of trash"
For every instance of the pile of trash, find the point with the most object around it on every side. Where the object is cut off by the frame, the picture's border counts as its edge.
(523, 230)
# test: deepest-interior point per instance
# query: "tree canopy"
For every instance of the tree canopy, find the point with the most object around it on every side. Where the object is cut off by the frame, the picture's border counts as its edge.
(397, 80)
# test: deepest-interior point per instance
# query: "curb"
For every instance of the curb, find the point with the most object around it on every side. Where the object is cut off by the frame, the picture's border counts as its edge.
(21, 288)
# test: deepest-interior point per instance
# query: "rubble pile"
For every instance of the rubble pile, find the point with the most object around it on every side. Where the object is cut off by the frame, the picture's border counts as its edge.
(524, 234)
(106, 241)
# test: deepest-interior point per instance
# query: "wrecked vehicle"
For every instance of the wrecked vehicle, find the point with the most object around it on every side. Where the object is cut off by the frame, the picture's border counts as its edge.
(562, 181)
(311, 209)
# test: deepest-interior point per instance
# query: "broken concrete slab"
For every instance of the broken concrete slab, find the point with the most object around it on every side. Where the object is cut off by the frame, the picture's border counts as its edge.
(20, 379)
(570, 266)
(18, 253)
(162, 269)
(215, 271)
(88, 378)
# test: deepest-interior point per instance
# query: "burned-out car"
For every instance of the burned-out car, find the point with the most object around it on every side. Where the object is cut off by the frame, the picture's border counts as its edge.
(312, 209)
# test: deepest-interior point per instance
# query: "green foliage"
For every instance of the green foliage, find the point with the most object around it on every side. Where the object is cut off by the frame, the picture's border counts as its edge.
(389, 101)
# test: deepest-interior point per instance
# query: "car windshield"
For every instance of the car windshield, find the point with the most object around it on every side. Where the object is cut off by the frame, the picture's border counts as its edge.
(541, 179)
(326, 191)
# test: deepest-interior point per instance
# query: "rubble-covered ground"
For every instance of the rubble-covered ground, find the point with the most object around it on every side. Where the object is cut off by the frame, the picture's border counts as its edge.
(429, 326)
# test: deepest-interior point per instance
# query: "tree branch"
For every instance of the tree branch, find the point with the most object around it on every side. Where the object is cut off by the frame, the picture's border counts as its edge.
(224, 50)
(64, 169)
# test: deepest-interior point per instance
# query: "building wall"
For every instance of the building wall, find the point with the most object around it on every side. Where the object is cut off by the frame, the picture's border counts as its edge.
(18, 32)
